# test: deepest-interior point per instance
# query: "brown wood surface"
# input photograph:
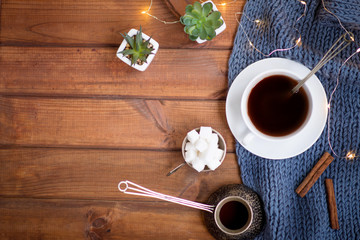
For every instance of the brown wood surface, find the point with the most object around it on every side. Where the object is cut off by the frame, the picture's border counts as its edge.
(77, 173)
(82, 219)
(98, 23)
(63, 71)
(92, 123)
(75, 120)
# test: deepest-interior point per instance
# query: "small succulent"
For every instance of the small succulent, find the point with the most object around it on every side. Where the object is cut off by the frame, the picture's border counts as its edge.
(137, 49)
(201, 21)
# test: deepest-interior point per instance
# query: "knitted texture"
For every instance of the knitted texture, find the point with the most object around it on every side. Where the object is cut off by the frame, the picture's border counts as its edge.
(288, 215)
(347, 11)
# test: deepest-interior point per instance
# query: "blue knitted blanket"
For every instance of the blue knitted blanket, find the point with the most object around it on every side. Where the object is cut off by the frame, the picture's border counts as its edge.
(289, 216)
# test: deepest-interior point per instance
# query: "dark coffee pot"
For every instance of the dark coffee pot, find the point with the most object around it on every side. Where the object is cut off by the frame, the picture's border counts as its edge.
(238, 213)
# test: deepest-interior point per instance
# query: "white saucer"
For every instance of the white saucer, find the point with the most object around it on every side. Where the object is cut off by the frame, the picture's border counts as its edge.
(283, 148)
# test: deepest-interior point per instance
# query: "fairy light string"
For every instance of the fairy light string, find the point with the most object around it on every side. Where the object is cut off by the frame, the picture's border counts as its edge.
(155, 17)
(259, 22)
(221, 4)
(351, 154)
(338, 19)
(147, 12)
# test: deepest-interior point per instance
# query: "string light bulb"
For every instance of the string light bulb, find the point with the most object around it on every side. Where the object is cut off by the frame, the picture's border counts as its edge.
(155, 17)
(298, 42)
(350, 155)
(338, 19)
(259, 23)
(173, 22)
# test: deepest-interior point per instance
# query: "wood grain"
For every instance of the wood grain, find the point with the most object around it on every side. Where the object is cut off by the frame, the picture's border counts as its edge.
(94, 23)
(94, 220)
(98, 123)
(177, 7)
(94, 174)
(75, 120)
(98, 72)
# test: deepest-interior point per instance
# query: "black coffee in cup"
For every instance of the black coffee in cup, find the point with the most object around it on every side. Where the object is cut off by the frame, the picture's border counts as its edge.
(274, 110)
(234, 215)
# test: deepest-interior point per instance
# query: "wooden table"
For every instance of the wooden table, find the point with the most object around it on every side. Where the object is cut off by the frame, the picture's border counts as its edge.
(75, 120)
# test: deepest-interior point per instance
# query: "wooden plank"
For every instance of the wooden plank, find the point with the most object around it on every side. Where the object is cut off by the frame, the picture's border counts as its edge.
(93, 22)
(0, 20)
(95, 220)
(98, 123)
(93, 72)
(94, 174)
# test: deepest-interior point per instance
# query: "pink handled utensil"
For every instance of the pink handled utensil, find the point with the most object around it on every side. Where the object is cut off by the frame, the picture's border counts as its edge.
(134, 189)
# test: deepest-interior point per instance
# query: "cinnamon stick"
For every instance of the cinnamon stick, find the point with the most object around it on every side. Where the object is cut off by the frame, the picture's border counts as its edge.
(314, 174)
(334, 222)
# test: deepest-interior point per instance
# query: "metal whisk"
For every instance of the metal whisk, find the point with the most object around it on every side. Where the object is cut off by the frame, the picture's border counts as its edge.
(134, 189)
(334, 50)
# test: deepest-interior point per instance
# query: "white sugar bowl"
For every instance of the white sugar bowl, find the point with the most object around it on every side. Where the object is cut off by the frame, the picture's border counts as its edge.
(204, 149)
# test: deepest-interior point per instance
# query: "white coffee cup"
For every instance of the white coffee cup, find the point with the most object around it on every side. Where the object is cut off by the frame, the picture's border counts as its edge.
(252, 131)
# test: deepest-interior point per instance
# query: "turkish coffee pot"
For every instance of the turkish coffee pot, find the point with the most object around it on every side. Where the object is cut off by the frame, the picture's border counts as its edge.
(233, 212)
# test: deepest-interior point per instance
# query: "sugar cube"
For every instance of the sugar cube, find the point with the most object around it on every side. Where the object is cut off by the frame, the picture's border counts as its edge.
(201, 145)
(202, 149)
(213, 140)
(205, 132)
(213, 164)
(218, 154)
(198, 165)
(189, 146)
(207, 155)
(193, 136)
(190, 156)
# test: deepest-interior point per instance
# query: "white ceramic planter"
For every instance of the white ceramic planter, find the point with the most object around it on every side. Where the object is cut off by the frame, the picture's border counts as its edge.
(217, 31)
(123, 58)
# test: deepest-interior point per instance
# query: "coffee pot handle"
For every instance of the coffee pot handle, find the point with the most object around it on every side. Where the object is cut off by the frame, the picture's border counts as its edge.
(135, 189)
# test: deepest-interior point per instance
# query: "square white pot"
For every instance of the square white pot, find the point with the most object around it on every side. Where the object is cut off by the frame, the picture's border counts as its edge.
(123, 58)
(217, 31)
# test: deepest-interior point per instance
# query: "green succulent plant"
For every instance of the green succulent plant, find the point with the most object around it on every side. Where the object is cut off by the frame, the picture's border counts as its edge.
(201, 21)
(137, 49)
